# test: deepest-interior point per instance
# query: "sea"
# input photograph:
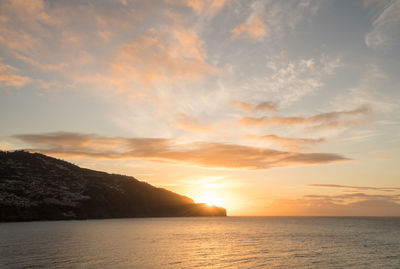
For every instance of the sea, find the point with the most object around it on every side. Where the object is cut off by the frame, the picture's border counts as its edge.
(203, 242)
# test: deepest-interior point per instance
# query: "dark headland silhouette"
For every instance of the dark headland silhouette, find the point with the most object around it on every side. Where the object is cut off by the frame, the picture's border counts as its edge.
(34, 186)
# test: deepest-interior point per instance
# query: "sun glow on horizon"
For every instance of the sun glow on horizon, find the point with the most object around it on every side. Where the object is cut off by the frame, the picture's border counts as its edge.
(210, 199)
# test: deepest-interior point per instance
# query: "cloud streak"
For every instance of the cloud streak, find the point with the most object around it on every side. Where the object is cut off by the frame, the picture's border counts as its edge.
(255, 108)
(288, 143)
(334, 186)
(323, 120)
(205, 154)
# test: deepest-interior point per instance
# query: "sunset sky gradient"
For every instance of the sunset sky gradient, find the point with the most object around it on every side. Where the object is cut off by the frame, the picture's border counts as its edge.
(274, 107)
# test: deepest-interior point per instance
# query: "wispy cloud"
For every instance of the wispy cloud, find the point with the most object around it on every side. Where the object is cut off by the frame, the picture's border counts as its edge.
(385, 28)
(270, 106)
(373, 90)
(9, 76)
(254, 27)
(335, 186)
(34, 11)
(288, 81)
(209, 7)
(23, 26)
(323, 120)
(206, 154)
(288, 143)
(161, 56)
(191, 124)
(52, 39)
(273, 19)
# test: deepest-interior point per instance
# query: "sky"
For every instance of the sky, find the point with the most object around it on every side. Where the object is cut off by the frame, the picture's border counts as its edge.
(264, 107)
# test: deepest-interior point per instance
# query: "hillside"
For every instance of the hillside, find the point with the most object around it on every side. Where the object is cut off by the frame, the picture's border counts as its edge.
(34, 186)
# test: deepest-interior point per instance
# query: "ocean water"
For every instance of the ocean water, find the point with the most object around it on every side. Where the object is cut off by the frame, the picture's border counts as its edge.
(231, 242)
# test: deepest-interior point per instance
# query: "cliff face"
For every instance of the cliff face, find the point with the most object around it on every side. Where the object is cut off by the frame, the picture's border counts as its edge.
(37, 187)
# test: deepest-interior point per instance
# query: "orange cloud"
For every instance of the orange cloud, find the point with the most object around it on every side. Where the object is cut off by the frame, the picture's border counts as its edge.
(209, 7)
(191, 124)
(163, 56)
(324, 120)
(31, 16)
(289, 143)
(49, 36)
(33, 11)
(9, 76)
(254, 108)
(206, 154)
(16, 40)
(254, 29)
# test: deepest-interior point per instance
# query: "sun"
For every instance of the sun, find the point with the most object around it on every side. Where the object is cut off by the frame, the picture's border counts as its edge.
(210, 198)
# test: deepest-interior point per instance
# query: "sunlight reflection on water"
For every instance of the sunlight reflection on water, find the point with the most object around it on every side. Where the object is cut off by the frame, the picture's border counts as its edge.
(203, 242)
